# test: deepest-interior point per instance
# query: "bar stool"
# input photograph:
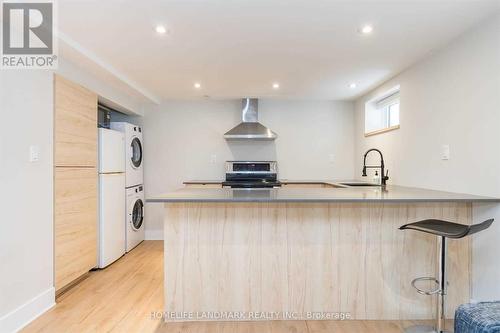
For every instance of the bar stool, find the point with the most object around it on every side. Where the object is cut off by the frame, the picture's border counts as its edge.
(443, 229)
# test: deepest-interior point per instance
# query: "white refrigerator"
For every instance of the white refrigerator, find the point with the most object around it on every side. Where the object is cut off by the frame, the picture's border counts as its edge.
(111, 196)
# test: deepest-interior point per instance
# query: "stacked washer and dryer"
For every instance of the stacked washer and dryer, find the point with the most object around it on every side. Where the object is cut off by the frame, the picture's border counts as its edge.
(134, 215)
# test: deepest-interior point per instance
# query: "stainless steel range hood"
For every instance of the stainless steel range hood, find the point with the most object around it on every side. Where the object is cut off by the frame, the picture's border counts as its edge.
(250, 128)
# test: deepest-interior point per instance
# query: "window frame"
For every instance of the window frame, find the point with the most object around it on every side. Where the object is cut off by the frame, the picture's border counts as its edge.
(384, 101)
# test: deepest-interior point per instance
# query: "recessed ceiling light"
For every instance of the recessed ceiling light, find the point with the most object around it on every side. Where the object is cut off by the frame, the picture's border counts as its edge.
(352, 85)
(161, 29)
(276, 85)
(366, 29)
(197, 85)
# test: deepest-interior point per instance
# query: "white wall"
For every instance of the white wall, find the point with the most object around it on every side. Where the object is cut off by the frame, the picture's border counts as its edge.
(26, 236)
(111, 95)
(452, 97)
(180, 137)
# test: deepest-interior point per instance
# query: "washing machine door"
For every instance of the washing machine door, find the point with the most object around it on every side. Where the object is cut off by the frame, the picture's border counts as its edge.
(136, 152)
(137, 215)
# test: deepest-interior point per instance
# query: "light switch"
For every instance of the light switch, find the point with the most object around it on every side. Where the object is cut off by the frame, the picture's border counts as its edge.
(331, 158)
(34, 153)
(445, 152)
(213, 159)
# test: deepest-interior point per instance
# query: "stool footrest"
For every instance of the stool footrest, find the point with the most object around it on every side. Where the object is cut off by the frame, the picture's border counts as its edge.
(426, 292)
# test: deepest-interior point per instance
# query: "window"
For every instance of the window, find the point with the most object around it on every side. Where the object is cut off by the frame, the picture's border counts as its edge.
(382, 113)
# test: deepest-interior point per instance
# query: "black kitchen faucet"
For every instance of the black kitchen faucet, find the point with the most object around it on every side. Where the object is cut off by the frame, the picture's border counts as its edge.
(384, 176)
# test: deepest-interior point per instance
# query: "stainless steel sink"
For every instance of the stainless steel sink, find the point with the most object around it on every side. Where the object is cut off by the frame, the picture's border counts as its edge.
(359, 184)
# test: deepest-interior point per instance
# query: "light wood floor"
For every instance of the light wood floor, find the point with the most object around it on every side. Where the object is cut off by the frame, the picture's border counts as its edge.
(122, 297)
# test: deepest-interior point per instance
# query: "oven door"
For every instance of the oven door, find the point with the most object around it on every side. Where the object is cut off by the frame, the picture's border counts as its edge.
(248, 185)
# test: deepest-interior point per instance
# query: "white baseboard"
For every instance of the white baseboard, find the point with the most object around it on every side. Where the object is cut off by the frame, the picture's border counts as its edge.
(18, 318)
(154, 235)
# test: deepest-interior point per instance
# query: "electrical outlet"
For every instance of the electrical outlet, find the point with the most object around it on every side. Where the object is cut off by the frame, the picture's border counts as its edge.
(34, 153)
(331, 158)
(213, 159)
(445, 152)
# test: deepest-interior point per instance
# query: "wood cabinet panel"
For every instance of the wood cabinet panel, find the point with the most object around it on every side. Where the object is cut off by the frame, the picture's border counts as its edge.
(75, 223)
(75, 137)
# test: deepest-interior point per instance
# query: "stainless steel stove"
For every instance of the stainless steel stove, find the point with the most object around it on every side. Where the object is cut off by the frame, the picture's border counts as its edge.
(251, 174)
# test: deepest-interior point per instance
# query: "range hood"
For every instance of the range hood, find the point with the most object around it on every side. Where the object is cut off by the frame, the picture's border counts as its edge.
(250, 128)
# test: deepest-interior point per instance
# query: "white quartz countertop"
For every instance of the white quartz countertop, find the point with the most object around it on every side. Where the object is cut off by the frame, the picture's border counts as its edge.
(283, 181)
(390, 193)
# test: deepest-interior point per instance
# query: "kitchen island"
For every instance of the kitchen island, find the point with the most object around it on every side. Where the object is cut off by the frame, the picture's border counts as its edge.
(308, 253)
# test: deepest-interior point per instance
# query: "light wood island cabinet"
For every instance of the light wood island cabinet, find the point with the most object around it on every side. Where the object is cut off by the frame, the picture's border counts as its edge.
(309, 250)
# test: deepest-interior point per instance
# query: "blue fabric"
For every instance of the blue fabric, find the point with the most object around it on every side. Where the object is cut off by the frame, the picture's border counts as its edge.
(481, 317)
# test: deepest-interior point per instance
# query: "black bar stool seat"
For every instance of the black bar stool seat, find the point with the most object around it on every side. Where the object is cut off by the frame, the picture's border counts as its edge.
(443, 229)
(447, 229)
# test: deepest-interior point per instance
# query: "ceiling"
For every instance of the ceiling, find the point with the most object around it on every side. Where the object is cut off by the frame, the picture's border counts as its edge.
(237, 48)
